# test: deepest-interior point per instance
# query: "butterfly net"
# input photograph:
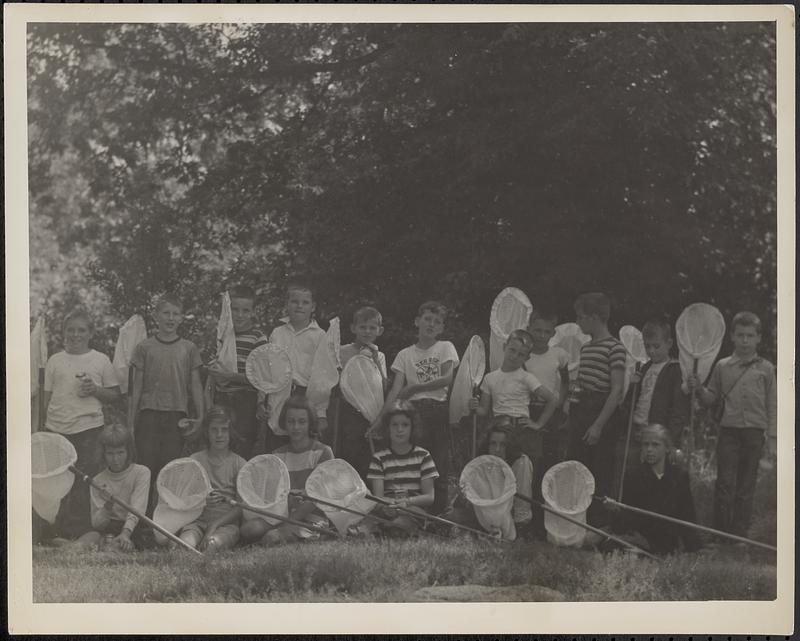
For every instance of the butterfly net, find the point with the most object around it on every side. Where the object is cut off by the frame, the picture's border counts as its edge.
(51, 478)
(362, 386)
(511, 310)
(570, 338)
(263, 482)
(699, 331)
(468, 377)
(183, 484)
(489, 485)
(133, 332)
(632, 339)
(337, 482)
(325, 368)
(567, 488)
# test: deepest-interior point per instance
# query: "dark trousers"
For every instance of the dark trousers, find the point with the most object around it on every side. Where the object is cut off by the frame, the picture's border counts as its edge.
(352, 446)
(434, 436)
(73, 517)
(245, 425)
(738, 453)
(158, 441)
(600, 457)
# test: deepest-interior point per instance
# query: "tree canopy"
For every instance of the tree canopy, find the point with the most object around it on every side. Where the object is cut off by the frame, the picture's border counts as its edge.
(391, 163)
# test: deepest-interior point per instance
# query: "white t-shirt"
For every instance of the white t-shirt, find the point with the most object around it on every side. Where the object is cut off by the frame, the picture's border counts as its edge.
(547, 368)
(510, 391)
(425, 365)
(641, 413)
(67, 412)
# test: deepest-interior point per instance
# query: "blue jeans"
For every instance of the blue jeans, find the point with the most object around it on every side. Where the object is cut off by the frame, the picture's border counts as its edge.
(738, 453)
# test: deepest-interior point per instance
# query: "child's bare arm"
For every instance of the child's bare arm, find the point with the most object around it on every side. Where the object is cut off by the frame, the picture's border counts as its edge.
(612, 401)
(397, 385)
(563, 391)
(377, 487)
(549, 405)
(197, 394)
(443, 381)
(136, 396)
(421, 500)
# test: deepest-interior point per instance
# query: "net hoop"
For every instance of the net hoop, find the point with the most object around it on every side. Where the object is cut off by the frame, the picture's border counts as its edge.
(269, 368)
(361, 384)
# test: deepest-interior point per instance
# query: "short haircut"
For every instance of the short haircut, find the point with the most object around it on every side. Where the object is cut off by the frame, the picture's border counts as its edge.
(513, 448)
(594, 304)
(522, 336)
(366, 313)
(169, 299)
(242, 291)
(78, 313)
(116, 435)
(434, 307)
(658, 325)
(299, 285)
(404, 408)
(299, 403)
(746, 319)
(544, 314)
(659, 431)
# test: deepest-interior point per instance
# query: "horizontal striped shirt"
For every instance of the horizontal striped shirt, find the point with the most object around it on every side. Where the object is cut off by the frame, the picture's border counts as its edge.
(246, 342)
(402, 472)
(598, 358)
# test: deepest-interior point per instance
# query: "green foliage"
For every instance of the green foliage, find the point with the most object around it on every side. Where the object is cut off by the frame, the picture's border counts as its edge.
(395, 163)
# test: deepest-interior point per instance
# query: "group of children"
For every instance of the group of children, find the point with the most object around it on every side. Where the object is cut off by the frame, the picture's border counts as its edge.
(534, 418)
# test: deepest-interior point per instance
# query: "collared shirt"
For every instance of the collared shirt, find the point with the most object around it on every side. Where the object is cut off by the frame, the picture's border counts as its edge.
(750, 401)
(301, 345)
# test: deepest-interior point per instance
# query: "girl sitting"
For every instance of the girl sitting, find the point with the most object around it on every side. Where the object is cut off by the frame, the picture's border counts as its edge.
(113, 525)
(403, 473)
(301, 455)
(217, 528)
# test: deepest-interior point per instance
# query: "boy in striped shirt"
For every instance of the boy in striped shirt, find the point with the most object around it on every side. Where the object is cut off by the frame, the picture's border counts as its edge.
(233, 389)
(593, 417)
(403, 473)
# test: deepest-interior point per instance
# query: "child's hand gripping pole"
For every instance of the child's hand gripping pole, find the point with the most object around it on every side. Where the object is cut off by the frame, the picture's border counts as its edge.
(285, 519)
(586, 526)
(110, 497)
(634, 395)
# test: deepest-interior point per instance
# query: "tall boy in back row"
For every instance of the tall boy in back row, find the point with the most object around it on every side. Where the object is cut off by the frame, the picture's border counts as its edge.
(745, 385)
(422, 374)
(594, 421)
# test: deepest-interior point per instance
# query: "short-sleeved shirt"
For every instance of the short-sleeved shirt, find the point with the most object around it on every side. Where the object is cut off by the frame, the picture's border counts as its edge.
(425, 365)
(641, 413)
(301, 345)
(598, 358)
(131, 485)
(510, 391)
(223, 477)
(547, 368)
(246, 342)
(346, 352)
(67, 412)
(301, 464)
(167, 369)
(402, 472)
(752, 400)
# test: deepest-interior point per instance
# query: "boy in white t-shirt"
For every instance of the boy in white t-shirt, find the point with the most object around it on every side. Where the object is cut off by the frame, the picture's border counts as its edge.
(422, 374)
(550, 366)
(506, 393)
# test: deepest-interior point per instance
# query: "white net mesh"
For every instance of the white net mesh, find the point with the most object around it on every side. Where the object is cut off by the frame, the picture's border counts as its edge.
(183, 484)
(699, 331)
(632, 339)
(570, 338)
(489, 485)
(511, 310)
(51, 479)
(268, 368)
(263, 482)
(567, 488)
(337, 482)
(362, 386)
(468, 377)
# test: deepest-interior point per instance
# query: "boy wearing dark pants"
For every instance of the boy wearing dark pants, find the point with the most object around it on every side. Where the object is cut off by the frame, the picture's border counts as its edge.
(422, 374)
(233, 389)
(594, 425)
(745, 384)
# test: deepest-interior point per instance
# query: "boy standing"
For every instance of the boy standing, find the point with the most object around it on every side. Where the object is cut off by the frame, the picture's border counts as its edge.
(233, 388)
(507, 394)
(352, 447)
(661, 401)
(745, 385)
(300, 335)
(167, 367)
(594, 423)
(422, 374)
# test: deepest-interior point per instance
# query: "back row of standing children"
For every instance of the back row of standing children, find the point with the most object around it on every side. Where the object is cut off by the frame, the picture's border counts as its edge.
(527, 395)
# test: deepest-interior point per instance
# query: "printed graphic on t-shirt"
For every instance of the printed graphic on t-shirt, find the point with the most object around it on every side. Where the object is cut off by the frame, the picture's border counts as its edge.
(427, 369)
